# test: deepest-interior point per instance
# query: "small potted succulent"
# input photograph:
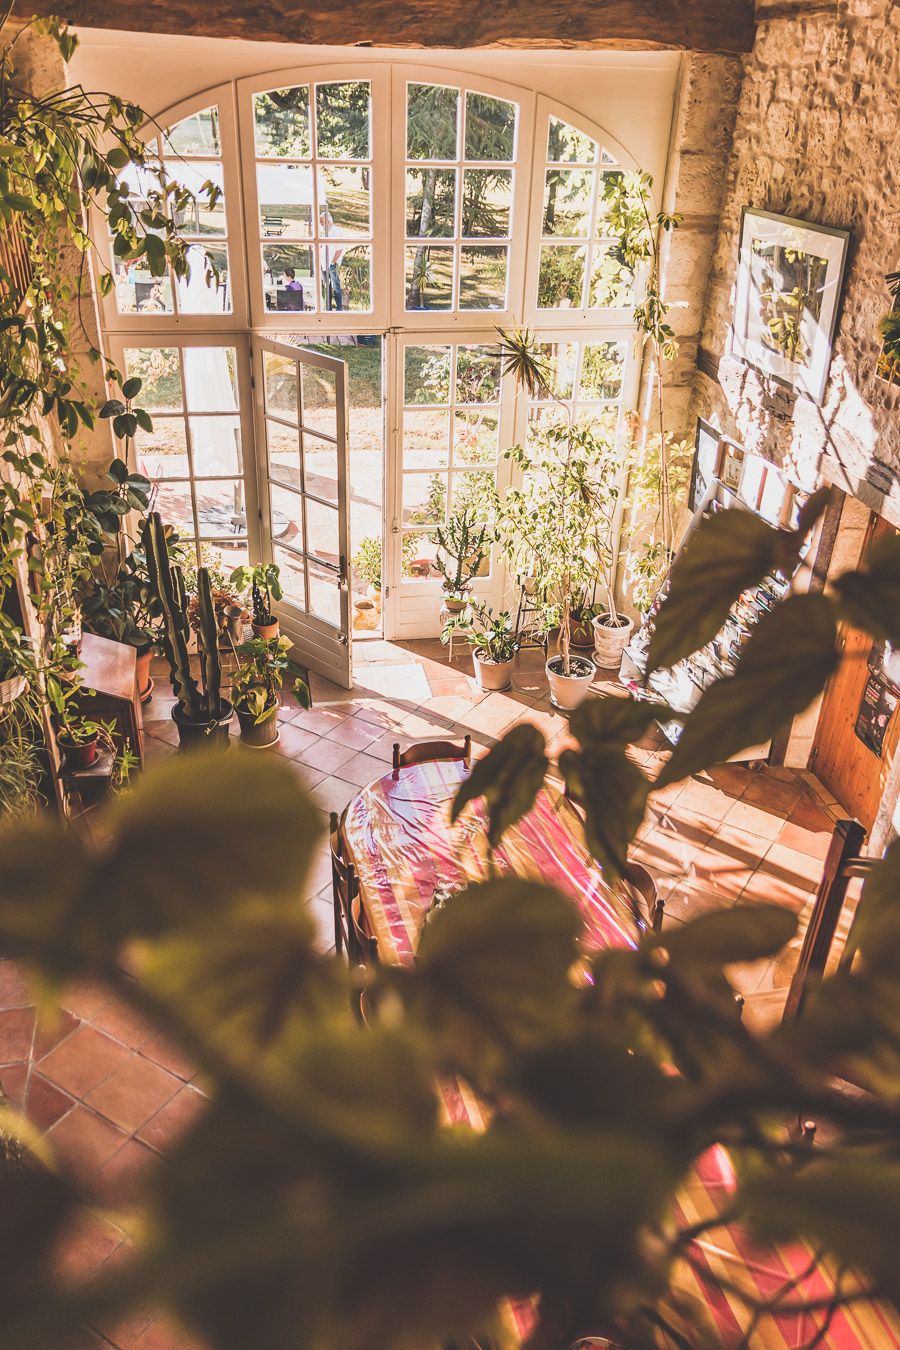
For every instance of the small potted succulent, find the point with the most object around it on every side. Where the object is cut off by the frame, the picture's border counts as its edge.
(255, 688)
(201, 714)
(494, 642)
(463, 546)
(265, 587)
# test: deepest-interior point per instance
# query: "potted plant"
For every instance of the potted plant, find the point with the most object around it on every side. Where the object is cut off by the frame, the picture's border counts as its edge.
(367, 565)
(265, 588)
(201, 714)
(494, 642)
(80, 738)
(255, 687)
(463, 546)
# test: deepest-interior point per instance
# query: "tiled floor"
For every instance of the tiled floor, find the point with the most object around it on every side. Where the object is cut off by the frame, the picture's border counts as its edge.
(111, 1094)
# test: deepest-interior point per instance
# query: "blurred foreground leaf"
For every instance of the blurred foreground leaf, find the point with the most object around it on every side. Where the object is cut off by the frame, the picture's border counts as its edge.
(509, 777)
(869, 598)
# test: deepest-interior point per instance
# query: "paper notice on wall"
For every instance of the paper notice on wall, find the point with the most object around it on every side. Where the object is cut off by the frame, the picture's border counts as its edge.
(875, 711)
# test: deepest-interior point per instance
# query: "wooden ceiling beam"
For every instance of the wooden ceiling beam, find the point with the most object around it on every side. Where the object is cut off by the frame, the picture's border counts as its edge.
(699, 25)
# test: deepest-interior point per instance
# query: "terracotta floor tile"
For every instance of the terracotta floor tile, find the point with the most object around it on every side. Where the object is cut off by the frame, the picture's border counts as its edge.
(814, 843)
(720, 874)
(85, 1245)
(321, 910)
(134, 1092)
(168, 1056)
(321, 720)
(775, 797)
(333, 794)
(172, 1119)
(773, 889)
(125, 1025)
(83, 1060)
(754, 820)
(688, 824)
(13, 1081)
(732, 779)
(54, 1025)
(85, 998)
(803, 870)
(163, 728)
(325, 756)
(16, 1035)
(293, 740)
(14, 991)
(381, 713)
(705, 799)
(305, 775)
(660, 852)
(494, 714)
(46, 1103)
(84, 1141)
(354, 734)
(809, 815)
(361, 769)
(155, 751)
(119, 1179)
(688, 900)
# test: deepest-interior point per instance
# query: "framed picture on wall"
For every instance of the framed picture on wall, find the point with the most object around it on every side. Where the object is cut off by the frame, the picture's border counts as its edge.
(789, 282)
(706, 462)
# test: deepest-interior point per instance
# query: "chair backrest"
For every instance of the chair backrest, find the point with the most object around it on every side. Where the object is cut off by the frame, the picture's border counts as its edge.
(423, 752)
(345, 892)
(646, 905)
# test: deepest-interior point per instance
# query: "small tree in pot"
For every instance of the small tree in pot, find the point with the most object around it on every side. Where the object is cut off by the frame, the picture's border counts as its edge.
(201, 713)
(265, 587)
(255, 688)
(494, 642)
(463, 545)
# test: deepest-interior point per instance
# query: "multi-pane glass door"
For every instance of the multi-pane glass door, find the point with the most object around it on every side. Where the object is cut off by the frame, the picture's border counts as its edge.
(301, 401)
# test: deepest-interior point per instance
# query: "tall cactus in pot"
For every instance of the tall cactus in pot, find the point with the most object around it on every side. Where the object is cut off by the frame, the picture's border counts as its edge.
(210, 663)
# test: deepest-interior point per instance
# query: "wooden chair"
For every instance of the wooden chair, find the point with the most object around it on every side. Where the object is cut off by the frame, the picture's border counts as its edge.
(646, 904)
(350, 933)
(424, 752)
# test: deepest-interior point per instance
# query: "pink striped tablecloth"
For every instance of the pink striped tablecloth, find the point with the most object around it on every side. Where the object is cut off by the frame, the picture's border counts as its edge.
(403, 845)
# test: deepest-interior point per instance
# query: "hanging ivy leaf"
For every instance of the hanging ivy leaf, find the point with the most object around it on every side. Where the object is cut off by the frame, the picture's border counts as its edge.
(790, 655)
(509, 778)
(870, 597)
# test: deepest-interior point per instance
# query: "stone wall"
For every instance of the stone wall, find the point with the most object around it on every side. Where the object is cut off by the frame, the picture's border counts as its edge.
(816, 137)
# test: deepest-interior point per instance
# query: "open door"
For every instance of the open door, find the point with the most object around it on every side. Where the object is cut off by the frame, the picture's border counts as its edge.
(301, 409)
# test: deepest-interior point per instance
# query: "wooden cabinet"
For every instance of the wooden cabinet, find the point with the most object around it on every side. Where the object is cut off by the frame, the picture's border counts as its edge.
(109, 669)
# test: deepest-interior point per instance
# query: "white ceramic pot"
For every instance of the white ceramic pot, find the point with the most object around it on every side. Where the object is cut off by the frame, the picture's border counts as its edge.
(567, 691)
(610, 643)
(492, 675)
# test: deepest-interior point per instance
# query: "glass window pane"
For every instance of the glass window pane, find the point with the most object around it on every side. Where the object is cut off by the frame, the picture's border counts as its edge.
(476, 437)
(319, 390)
(344, 201)
(566, 145)
(612, 283)
(288, 279)
(324, 595)
(342, 120)
(424, 498)
(346, 277)
(285, 200)
(432, 115)
(601, 370)
(323, 537)
(561, 359)
(426, 440)
(162, 452)
(194, 135)
(173, 502)
(226, 554)
(204, 292)
(430, 203)
(418, 553)
(216, 446)
(561, 278)
(602, 421)
(281, 119)
(486, 203)
(427, 375)
(293, 575)
(211, 379)
(198, 217)
(284, 454)
(280, 385)
(482, 277)
(220, 509)
(139, 292)
(321, 463)
(429, 277)
(490, 128)
(607, 178)
(567, 202)
(474, 492)
(477, 374)
(160, 370)
(286, 516)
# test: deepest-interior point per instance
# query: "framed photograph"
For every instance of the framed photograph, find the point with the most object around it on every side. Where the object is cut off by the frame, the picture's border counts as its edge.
(889, 360)
(731, 465)
(706, 462)
(788, 288)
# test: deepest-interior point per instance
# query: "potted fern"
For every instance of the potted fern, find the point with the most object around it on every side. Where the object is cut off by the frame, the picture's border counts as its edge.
(255, 688)
(265, 587)
(494, 642)
(463, 545)
(201, 714)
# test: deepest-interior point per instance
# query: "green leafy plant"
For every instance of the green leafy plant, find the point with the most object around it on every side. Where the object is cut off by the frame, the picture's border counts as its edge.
(889, 360)
(492, 637)
(463, 544)
(264, 667)
(264, 586)
(367, 561)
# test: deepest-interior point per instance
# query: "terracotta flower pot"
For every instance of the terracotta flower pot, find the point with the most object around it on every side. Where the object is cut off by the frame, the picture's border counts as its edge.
(265, 630)
(80, 755)
(142, 668)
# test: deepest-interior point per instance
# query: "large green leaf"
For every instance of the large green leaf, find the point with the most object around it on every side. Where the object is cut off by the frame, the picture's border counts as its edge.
(613, 793)
(201, 832)
(43, 871)
(727, 552)
(492, 968)
(615, 720)
(509, 778)
(870, 598)
(790, 655)
(744, 933)
(876, 928)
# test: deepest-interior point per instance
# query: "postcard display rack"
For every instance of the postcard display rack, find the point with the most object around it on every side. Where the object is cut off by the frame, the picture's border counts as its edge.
(682, 685)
